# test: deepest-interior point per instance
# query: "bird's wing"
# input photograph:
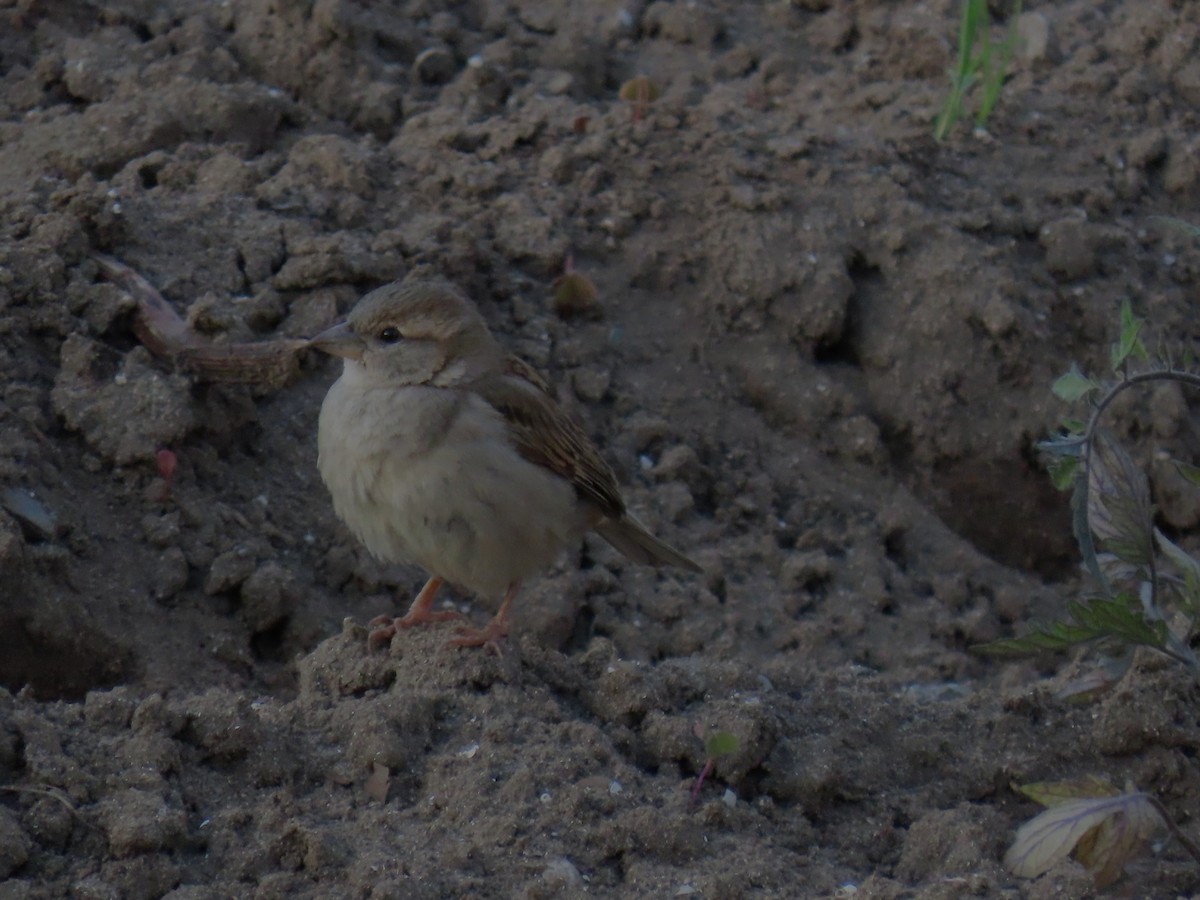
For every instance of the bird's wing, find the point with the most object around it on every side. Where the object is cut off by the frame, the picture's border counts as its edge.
(545, 435)
(518, 368)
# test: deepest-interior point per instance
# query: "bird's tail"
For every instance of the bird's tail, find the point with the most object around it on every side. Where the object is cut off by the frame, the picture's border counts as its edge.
(630, 537)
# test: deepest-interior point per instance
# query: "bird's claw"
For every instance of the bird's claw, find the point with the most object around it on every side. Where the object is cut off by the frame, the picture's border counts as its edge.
(383, 628)
(490, 636)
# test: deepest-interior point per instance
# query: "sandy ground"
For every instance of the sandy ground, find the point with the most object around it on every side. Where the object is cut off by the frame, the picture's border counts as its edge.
(819, 362)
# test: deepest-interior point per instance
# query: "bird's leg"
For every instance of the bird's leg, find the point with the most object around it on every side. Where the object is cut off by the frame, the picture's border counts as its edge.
(491, 634)
(421, 611)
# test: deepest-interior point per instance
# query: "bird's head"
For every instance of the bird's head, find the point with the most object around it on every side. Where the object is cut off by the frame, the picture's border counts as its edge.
(420, 332)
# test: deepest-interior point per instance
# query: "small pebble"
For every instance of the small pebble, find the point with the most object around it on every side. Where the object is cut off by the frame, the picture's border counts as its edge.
(37, 521)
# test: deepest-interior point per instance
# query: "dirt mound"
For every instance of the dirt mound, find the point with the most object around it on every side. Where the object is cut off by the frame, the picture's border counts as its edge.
(819, 362)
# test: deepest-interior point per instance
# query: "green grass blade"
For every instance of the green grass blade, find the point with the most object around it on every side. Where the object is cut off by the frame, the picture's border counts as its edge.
(994, 75)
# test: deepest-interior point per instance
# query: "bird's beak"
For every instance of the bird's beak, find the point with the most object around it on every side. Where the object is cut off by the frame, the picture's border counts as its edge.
(339, 340)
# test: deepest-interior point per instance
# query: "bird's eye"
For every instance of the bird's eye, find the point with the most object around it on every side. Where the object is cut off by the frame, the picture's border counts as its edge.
(390, 334)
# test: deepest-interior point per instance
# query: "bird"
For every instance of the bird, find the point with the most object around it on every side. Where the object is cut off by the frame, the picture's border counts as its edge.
(441, 449)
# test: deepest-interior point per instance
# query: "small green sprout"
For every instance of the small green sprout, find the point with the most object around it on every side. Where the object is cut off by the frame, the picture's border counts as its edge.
(979, 60)
(716, 745)
(639, 93)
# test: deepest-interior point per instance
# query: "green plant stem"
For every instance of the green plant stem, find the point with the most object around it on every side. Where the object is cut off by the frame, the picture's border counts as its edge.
(964, 74)
(704, 773)
(993, 81)
(1175, 648)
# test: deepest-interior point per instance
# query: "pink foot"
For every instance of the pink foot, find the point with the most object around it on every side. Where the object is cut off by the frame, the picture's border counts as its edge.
(495, 631)
(384, 628)
(490, 636)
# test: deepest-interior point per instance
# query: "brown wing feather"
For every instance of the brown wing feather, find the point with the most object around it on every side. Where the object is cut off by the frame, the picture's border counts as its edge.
(545, 435)
(514, 365)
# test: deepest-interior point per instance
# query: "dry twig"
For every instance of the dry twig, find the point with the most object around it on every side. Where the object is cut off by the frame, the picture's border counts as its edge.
(268, 363)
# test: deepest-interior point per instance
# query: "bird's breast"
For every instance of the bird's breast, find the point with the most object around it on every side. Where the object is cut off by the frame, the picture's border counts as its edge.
(437, 481)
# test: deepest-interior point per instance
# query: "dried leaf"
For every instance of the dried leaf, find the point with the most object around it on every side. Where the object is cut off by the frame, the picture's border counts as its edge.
(1106, 849)
(1119, 509)
(1105, 831)
(1052, 793)
(1051, 836)
(1189, 592)
(1090, 685)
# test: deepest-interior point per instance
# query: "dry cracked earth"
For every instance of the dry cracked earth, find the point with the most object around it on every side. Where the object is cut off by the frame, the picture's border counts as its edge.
(819, 359)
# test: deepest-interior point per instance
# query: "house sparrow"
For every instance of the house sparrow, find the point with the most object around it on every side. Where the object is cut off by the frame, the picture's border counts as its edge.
(441, 449)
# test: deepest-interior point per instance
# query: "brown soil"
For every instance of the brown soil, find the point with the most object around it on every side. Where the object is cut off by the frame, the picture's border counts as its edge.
(819, 362)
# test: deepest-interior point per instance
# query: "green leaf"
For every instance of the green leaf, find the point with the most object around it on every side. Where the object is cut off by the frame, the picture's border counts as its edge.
(970, 63)
(1189, 472)
(720, 743)
(1074, 385)
(1130, 342)
(967, 32)
(996, 68)
(639, 90)
(1118, 617)
(1121, 617)
(1051, 636)
(1064, 471)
